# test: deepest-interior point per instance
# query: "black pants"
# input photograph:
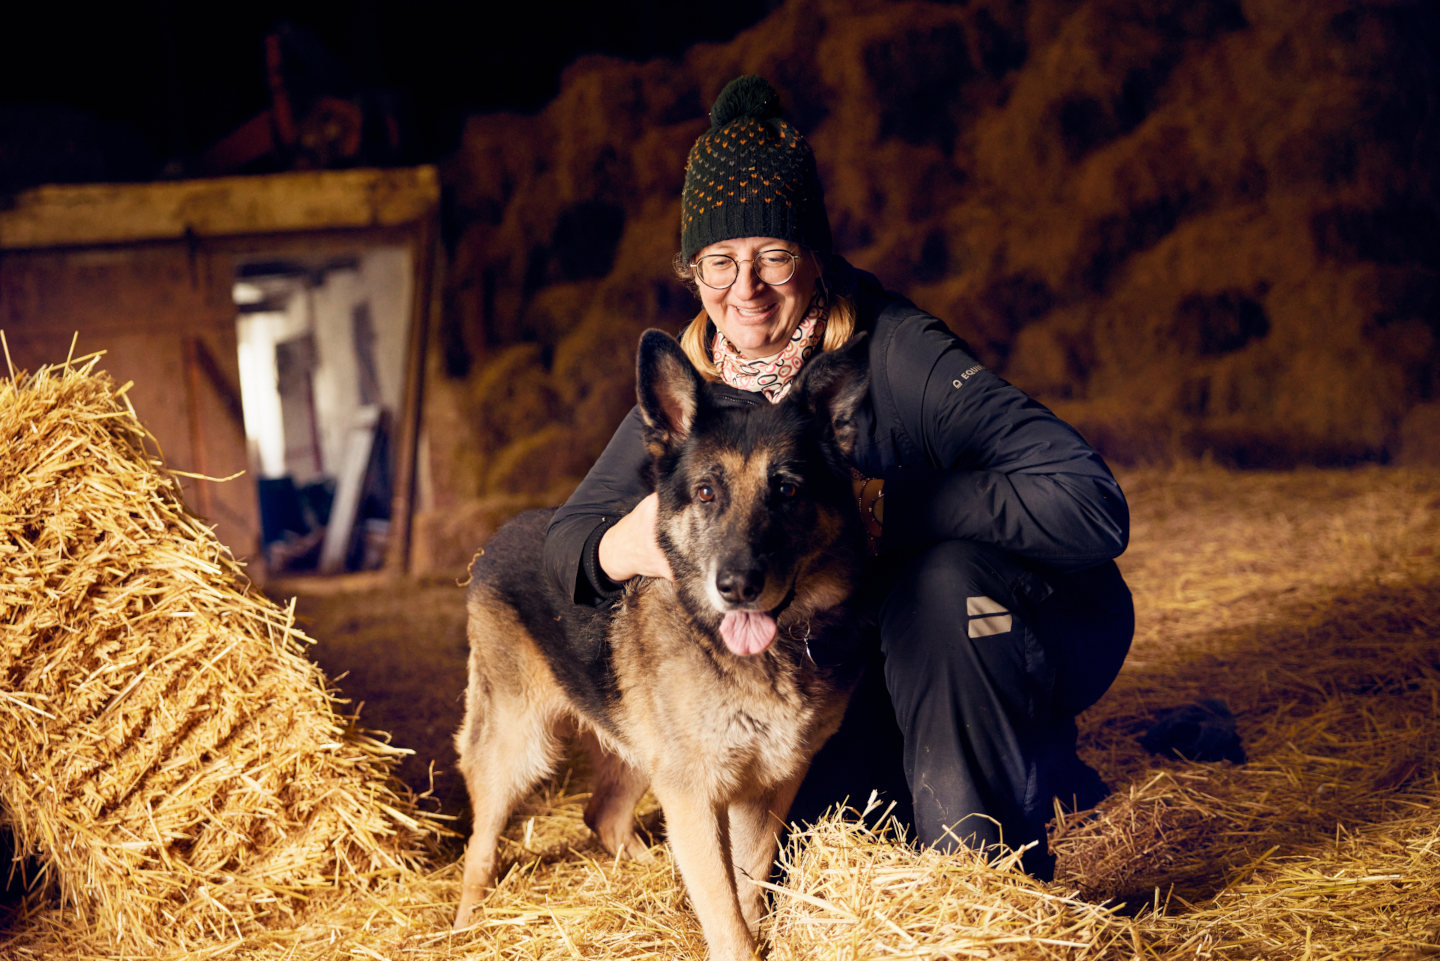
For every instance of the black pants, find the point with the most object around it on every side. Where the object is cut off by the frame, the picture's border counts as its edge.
(965, 717)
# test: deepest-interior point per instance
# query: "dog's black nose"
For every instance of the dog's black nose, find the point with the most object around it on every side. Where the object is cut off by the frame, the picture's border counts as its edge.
(740, 585)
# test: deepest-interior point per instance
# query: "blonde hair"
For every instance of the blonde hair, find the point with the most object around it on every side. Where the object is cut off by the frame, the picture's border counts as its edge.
(840, 318)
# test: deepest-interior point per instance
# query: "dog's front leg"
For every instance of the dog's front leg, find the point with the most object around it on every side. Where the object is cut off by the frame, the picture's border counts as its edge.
(699, 837)
(755, 828)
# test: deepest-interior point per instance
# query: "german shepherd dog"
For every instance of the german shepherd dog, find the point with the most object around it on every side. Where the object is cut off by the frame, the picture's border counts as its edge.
(703, 689)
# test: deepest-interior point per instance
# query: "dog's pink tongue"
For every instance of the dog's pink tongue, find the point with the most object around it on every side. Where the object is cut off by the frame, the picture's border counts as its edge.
(747, 632)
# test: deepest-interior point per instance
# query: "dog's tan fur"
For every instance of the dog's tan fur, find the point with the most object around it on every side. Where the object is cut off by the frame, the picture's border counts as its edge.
(723, 740)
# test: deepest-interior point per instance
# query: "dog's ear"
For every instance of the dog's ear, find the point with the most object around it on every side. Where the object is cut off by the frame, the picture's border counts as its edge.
(834, 383)
(668, 388)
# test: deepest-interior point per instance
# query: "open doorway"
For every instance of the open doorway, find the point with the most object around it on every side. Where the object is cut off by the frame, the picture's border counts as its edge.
(322, 341)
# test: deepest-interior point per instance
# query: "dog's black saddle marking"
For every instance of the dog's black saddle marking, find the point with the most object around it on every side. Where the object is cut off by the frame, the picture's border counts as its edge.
(571, 636)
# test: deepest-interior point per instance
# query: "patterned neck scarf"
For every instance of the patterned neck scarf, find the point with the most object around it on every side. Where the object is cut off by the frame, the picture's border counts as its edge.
(771, 375)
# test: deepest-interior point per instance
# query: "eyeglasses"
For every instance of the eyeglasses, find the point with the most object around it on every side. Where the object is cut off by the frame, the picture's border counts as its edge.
(719, 271)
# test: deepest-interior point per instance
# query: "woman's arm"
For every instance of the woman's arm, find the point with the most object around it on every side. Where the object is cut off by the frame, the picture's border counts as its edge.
(594, 541)
(996, 466)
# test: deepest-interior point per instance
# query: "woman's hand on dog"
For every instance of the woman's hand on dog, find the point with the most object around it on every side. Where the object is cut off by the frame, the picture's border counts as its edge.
(630, 548)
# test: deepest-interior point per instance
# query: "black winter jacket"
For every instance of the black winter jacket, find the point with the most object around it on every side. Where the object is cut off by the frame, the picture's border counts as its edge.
(964, 455)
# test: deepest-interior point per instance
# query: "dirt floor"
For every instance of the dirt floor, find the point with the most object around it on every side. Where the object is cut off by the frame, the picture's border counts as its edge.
(396, 651)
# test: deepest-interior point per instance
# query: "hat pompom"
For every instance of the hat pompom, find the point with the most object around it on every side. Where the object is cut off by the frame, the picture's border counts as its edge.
(747, 96)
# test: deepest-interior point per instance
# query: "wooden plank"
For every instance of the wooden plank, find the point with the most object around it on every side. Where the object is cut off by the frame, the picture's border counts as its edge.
(62, 215)
(428, 285)
(349, 489)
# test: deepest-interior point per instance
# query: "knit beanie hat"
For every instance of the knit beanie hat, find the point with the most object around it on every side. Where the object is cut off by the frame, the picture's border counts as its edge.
(751, 175)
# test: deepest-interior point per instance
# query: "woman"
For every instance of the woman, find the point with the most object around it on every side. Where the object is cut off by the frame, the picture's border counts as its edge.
(999, 611)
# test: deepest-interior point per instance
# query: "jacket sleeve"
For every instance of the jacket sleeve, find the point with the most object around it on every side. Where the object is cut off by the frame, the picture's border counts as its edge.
(614, 485)
(989, 463)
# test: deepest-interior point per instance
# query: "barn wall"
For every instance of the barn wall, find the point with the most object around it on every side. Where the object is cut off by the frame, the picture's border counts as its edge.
(163, 315)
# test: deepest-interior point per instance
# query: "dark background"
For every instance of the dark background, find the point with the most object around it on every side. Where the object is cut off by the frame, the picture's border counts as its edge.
(137, 91)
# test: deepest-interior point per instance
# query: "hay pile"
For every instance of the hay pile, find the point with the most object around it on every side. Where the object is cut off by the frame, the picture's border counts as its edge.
(174, 768)
(856, 893)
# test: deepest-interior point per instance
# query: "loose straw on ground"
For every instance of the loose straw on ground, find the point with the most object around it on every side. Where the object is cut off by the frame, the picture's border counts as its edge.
(1309, 602)
(174, 767)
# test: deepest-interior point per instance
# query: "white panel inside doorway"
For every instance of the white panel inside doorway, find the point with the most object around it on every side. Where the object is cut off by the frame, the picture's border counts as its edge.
(323, 342)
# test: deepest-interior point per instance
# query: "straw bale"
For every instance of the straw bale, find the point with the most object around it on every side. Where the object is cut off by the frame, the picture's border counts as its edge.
(174, 767)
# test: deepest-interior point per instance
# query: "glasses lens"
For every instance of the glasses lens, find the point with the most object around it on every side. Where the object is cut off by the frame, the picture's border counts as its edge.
(775, 266)
(717, 270)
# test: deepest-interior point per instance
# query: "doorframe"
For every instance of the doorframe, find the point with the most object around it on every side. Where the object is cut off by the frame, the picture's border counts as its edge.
(235, 215)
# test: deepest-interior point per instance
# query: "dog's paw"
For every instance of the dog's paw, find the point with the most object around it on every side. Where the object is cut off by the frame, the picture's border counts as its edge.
(626, 845)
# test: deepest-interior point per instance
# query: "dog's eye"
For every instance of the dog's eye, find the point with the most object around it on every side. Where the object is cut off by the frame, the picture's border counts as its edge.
(787, 489)
(705, 493)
